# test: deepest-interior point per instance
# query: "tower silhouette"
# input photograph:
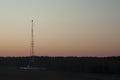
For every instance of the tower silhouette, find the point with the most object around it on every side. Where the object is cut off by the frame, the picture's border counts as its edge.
(32, 43)
(30, 65)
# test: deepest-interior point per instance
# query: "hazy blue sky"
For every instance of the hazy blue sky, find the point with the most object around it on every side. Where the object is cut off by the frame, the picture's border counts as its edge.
(62, 27)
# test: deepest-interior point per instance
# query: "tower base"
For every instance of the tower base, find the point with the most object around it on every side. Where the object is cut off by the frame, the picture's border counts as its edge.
(33, 68)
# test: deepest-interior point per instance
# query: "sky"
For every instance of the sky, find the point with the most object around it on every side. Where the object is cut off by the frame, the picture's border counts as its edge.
(61, 27)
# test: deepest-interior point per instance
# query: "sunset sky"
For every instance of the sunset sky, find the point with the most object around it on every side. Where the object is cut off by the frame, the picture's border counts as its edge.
(62, 27)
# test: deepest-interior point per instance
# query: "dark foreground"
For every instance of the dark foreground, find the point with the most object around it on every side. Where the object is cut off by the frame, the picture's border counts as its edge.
(17, 74)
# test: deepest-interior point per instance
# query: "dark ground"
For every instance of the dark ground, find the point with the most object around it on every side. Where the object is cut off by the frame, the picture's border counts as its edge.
(17, 74)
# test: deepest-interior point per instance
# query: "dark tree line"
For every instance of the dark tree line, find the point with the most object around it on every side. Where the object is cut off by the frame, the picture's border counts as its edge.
(77, 64)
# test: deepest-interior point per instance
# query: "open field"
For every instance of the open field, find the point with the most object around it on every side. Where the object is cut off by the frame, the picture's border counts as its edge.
(17, 74)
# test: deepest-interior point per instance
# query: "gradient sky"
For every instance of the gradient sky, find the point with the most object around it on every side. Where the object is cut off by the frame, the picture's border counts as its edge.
(62, 27)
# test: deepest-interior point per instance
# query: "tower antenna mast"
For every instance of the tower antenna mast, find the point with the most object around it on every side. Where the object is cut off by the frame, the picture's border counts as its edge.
(32, 40)
(30, 65)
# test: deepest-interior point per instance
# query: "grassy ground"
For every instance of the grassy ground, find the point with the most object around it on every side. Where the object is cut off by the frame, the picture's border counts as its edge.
(17, 74)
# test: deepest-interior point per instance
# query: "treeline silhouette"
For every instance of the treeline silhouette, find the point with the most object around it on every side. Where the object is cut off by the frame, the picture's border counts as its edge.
(77, 64)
